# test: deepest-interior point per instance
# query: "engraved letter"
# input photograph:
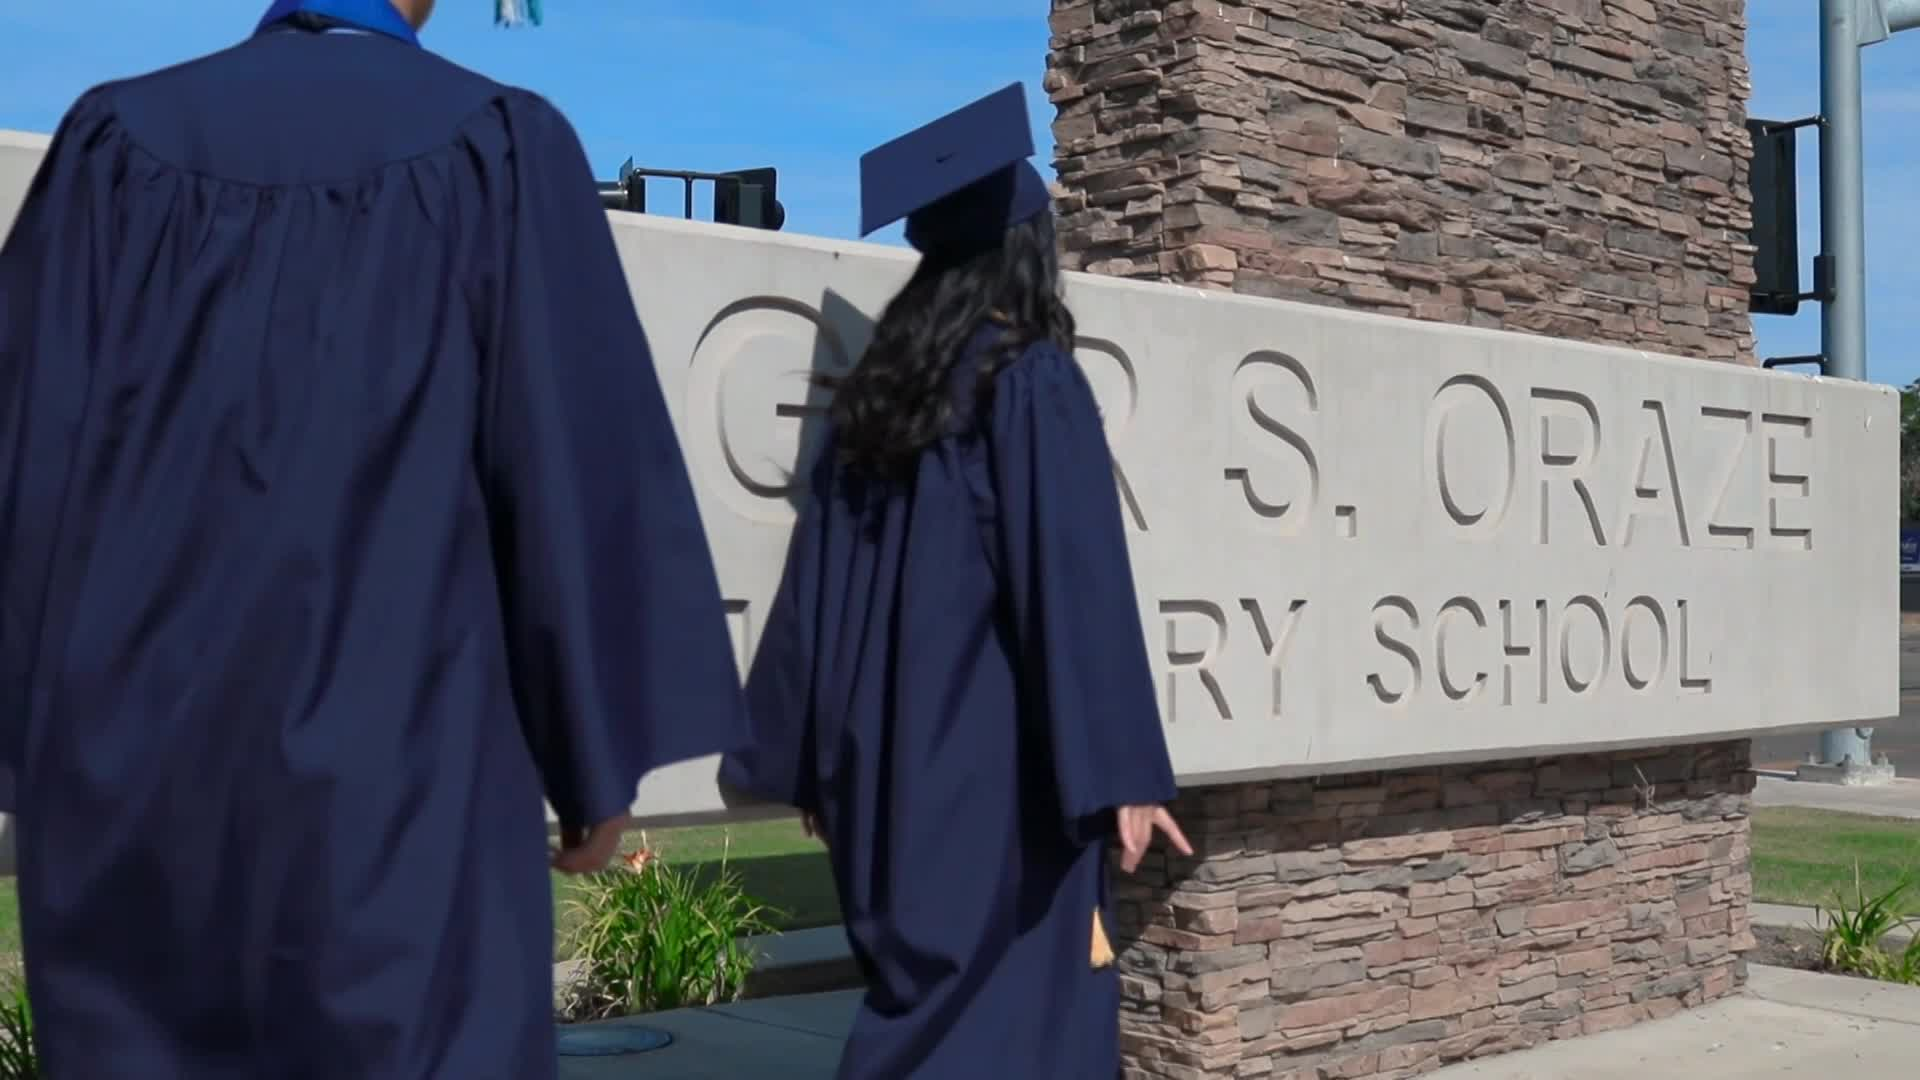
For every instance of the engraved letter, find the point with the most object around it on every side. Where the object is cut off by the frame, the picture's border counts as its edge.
(1569, 442)
(1538, 650)
(1655, 474)
(1116, 393)
(1442, 639)
(753, 411)
(741, 630)
(1602, 657)
(1266, 386)
(1470, 447)
(1690, 682)
(1273, 643)
(1719, 532)
(1398, 646)
(1789, 516)
(1641, 673)
(1200, 660)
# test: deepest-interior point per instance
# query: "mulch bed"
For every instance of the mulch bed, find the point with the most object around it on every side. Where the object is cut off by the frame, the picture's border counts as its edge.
(1792, 947)
(1787, 947)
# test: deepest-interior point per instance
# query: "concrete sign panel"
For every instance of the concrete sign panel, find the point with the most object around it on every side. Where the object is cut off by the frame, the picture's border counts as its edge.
(1360, 542)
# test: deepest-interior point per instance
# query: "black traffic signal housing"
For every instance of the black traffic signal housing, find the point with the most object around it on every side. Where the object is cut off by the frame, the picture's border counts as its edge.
(1775, 234)
(746, 197)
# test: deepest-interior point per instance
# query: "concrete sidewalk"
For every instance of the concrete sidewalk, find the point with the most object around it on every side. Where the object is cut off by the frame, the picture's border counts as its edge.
(790, 1038)
(1788, 1023)
(1899, 799)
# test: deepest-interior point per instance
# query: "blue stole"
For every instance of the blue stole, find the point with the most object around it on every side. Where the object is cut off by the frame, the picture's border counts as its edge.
(374, 16)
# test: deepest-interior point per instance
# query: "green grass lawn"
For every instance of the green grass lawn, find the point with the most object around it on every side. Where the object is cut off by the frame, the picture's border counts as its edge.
(9, 927)
(1807, 856)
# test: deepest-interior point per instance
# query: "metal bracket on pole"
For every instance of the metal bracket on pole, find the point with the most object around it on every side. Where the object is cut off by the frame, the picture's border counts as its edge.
(1795, 125)
(1793, 361)
(1822, 281)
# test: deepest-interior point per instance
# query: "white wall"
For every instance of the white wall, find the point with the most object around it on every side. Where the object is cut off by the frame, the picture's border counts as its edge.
(20, 153)
(1360, 542)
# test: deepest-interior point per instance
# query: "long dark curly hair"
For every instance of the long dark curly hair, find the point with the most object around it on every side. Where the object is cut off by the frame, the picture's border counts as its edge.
(900, 398)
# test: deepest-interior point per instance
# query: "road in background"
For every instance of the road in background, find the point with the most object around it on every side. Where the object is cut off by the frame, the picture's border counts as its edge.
(1898, 739)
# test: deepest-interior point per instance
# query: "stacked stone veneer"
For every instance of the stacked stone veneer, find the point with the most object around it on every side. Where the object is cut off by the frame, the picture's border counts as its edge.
(1384, 925)
(1576, 168)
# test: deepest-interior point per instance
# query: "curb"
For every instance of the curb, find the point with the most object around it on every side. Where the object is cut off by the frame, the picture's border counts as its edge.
(1794, 917)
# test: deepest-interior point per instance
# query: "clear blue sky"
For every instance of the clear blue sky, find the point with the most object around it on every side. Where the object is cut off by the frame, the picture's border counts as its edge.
(807, 85)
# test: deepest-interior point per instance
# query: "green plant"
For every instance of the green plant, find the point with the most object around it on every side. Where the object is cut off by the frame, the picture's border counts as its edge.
(1905, 967)
(652, 936)
(1851, 942)
(19, 1054)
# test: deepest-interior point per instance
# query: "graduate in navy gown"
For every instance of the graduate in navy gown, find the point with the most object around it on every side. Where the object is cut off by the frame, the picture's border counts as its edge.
(952, 684)
(341, 518)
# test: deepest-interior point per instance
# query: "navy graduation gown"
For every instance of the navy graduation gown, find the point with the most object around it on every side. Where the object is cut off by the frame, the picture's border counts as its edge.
(342, 518)
(953, 679)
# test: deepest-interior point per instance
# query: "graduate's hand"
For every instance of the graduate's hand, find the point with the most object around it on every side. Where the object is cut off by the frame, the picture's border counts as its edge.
(1136, 833)
(811, 826)
(590, 853)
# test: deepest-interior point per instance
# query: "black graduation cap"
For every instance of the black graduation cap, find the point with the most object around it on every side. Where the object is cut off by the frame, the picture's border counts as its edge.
(960, 181)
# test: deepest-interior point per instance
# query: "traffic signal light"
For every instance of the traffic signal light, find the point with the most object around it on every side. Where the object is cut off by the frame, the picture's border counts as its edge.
(1776, 220)
(746, 197)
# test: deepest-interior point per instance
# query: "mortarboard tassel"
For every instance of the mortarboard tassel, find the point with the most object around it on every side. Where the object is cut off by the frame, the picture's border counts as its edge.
(1102, 950)
(515, 12)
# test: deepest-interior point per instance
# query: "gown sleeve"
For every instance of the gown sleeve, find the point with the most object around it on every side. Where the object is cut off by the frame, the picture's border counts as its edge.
(47, 278)
(621, 660)
(1083, 656)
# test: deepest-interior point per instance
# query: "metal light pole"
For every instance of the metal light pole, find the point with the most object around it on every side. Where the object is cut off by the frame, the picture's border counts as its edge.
(1843, 232)
(1846, 27)
(1901, 15)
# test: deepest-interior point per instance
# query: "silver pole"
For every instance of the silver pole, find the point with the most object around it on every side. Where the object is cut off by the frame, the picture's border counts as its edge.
(1843, 315)
(1843, 232)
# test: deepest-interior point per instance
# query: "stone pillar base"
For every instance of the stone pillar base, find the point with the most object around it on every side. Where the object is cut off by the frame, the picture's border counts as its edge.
(1381, 925)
